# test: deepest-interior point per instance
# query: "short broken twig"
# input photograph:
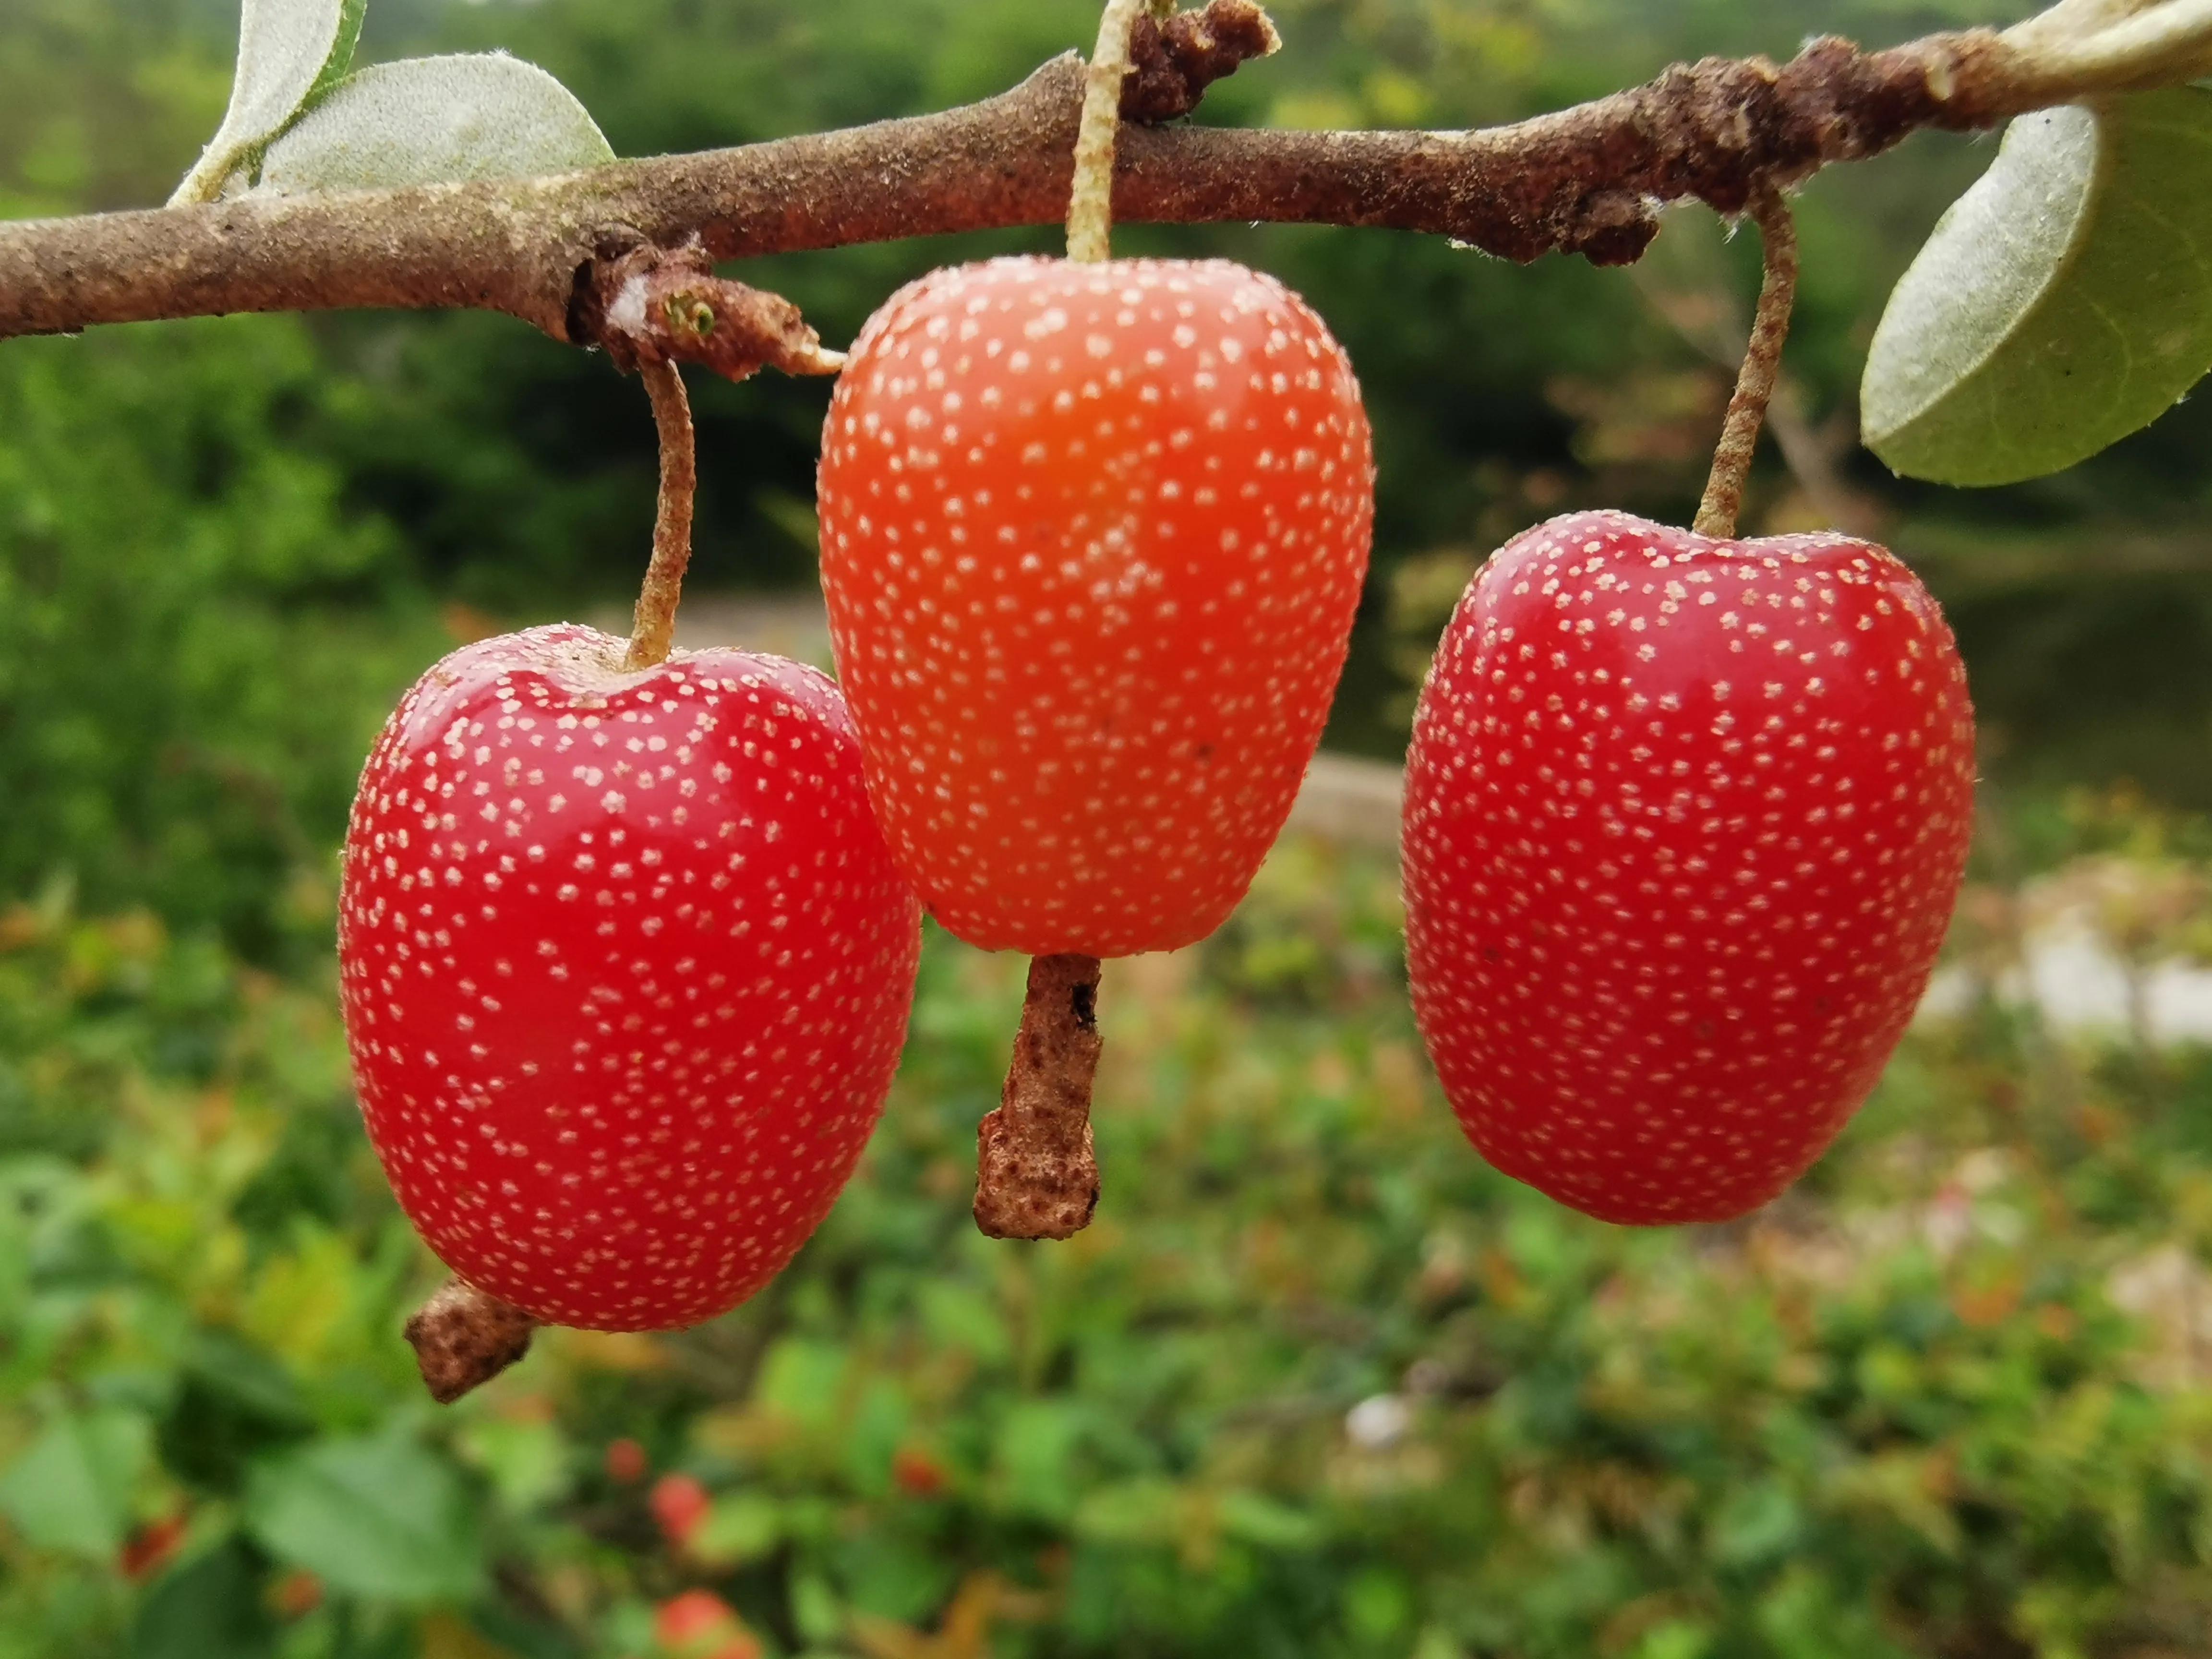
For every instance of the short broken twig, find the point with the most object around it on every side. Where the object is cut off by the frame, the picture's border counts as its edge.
(463, 1338)
(1171, 63)
(1037, 1175)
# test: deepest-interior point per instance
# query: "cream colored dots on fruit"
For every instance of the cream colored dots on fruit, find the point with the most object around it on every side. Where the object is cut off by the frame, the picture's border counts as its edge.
(1092, 539)
(1668, 909)
(620, 1031)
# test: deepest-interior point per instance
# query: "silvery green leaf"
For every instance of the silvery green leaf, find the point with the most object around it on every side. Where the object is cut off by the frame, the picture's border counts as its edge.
(2063, 302)
(289, 52)
(436, 120)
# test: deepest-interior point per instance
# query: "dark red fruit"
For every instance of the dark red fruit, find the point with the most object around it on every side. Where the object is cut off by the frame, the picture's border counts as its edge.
(626, 968)
(152, 1546)
(1092, 536)
(625, 1460)
(1685, 821)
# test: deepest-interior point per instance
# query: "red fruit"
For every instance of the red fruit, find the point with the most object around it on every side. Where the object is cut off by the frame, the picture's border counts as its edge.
(1684, 820)
(699, 1624)
(626, 970)
(1092, 536)
(679, 1503)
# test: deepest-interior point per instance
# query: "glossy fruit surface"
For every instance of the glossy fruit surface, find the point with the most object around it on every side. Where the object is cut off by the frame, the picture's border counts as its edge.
(1685, 821)
(1092, 538)
(626, 970)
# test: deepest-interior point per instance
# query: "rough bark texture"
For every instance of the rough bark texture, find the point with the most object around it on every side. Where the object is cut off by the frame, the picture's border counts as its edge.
(1035, 1174)
(463, 1338)
(1588, 180)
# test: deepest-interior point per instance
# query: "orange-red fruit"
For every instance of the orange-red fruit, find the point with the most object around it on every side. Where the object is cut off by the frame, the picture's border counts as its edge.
(1092, 538)
(699, 1624)
(626, 970)
(1685, 821)
(679, 1503)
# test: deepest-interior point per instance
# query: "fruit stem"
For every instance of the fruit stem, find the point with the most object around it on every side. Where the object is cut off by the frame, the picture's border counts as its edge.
(654, 629)
(1037, 1175)
(464, 1337)
(1090, 200)
(1762, 362)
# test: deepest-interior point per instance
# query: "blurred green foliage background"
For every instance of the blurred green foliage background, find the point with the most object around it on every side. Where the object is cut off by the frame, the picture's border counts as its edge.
(1318, 1382)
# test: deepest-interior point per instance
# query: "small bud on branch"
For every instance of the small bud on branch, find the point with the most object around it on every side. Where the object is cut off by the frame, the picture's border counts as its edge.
(656, 306)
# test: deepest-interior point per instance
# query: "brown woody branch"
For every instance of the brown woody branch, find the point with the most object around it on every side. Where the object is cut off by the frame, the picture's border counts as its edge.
(1587, 180)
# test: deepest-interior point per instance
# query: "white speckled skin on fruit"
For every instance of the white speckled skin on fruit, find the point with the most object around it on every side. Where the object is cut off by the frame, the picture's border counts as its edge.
(1092, 538)
(1685, 822)
(627, 969)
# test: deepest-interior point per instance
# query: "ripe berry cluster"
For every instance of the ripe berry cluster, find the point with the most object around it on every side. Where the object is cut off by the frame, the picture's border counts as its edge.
(627, 952)
(627, 955)
(628, 944)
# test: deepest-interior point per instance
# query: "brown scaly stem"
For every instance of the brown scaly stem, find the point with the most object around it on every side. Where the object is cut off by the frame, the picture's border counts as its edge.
(1090, 198)
(654, 629)
(1762, 361)
(1035, 1174)
(463, 1338)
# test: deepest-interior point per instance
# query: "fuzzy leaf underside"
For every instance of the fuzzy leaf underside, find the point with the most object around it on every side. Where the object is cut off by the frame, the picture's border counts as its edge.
(434, 120)
(290, 52)
(2063, 302)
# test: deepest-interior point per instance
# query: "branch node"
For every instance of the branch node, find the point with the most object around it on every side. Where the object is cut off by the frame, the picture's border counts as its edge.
(464, 1337)
(1612, 227)
(1037, 1175)
(659, 306)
